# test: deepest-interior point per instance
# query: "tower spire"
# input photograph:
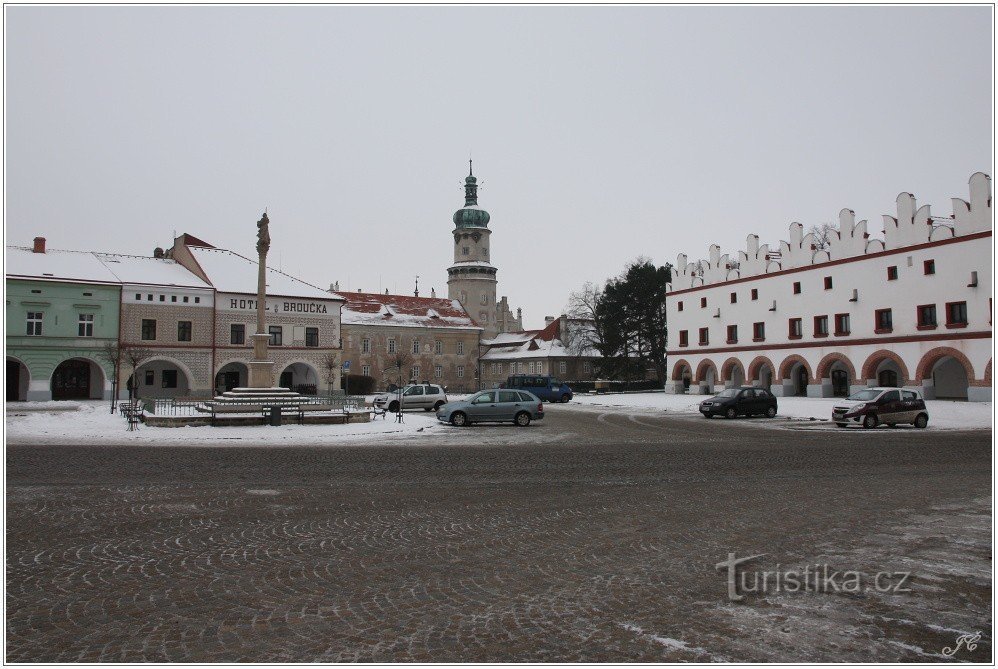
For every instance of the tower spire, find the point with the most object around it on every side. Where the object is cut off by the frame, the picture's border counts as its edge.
(470, 172)
(470, 188)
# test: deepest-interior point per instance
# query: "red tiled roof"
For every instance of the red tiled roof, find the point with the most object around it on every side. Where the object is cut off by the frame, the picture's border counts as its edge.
(378, 308)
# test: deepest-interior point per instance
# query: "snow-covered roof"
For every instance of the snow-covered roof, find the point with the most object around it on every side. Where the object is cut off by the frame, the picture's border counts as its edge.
(150, 271)
(535, 348)
(57, 265)
(473, 263)
(510, 338)
(230, 272)
(405, 311)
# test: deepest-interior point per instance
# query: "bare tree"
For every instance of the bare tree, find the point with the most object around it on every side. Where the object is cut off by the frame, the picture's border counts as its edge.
(823, 235)
(330, 364)
(111, 354)
(399, 360)
(133, 357)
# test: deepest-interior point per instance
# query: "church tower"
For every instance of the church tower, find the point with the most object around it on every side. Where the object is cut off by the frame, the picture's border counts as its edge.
(472, 278)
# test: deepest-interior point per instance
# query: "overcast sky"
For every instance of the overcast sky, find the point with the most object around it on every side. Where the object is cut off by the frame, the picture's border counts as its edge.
(600, 134)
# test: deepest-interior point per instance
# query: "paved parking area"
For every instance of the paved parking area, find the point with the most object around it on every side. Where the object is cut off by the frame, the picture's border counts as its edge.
(591, 537)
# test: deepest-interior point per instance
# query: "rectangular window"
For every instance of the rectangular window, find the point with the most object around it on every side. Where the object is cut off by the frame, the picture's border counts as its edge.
(540, 367)
(679, 307)
(927, 317)
(684, 337)
(703, 302)
(366, 370)
(883, 320)
(704, 336)
(138, 296)
(169, 378)
(438, 348)
(460, 348)
(162, 298)
(841, 324)
(587, 368)
(237, 334)
(173, 298)
(391, 346)
(460, 371)
(828, 283)
(414, 374)
(365, 345)
(438, 372)
(150, 377)
(415, 346)
(184, 330)
(892, 273)
(148, 329)
(732, 334)
(197, 300)
(734, 298)
(562, 367)
(796, 328)
(312, 337)
(86, 325)
(821, 326)
(35, 323)
(758, 332)
(276, 335)
(755, 293)
(186, 299)
(930, 267)
(956, 314)
(796, 287)
(530, 368)
(149, 297)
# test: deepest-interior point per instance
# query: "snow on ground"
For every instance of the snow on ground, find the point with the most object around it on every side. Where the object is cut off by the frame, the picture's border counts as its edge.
(943, 414)
(93, 423)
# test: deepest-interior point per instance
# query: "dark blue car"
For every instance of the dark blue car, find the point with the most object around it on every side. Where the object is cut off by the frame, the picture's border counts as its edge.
(547, 388)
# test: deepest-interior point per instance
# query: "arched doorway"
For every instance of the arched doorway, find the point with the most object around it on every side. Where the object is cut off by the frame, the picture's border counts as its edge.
(162, 377)
(794, 376)
(836, 374)
(886, 369)
(761, 372)
(732, 373)
(949, 378)
(887, 378)
(17, 380)
(301, 378)
(945, 373)
(231, 375)
(77, 379)
(706, 377)
(682, 377)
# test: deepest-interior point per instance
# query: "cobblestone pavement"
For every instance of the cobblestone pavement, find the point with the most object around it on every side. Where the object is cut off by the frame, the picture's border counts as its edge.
(597, 544)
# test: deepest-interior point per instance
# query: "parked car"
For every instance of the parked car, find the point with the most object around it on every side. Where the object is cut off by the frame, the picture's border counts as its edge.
(414, 396)
(745, 401)
(873, 406)
(493, 406)
(548, 388)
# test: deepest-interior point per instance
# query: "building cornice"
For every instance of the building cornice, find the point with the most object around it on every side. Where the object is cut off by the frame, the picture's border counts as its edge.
(838, 343)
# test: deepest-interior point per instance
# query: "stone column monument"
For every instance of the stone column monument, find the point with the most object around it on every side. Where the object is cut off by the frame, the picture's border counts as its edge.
(261, 370)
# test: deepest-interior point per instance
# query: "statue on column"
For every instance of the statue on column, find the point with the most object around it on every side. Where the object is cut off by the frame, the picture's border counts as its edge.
(263, 235)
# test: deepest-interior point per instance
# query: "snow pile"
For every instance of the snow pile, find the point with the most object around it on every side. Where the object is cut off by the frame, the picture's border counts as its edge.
(942, 413)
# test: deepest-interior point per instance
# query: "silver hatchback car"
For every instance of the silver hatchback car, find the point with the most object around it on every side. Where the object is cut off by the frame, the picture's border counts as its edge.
(424, 396)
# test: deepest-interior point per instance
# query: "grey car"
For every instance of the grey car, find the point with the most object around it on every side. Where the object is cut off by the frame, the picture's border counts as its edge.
(426, 396)
(493, 406)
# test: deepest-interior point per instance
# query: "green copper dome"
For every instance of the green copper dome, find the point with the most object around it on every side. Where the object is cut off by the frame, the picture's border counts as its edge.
(471, 215)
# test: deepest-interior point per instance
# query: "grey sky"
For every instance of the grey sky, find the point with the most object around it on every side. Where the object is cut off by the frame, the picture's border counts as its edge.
(599, 133)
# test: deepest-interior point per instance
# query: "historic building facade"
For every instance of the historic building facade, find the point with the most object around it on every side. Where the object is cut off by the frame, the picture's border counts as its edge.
(62, 311)
(471, 279)
(303, 321)
(912, 309)
(435, 338)
(559, 349)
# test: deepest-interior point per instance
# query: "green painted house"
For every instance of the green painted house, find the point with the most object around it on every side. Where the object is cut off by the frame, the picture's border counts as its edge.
(62, 310)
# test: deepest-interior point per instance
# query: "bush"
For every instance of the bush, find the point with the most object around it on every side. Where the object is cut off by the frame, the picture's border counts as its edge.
(359, 384)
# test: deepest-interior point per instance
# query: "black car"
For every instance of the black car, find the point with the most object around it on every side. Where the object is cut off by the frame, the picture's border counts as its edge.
(745, 401)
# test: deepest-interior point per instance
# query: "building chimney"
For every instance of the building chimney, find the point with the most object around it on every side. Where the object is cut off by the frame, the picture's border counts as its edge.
(548, 319)
(39, 245)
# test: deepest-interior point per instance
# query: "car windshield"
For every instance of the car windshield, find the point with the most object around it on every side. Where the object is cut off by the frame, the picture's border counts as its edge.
(864, 395)
(729, 392)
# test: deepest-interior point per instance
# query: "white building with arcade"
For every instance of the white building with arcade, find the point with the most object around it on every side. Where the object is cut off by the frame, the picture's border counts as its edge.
(912, 308)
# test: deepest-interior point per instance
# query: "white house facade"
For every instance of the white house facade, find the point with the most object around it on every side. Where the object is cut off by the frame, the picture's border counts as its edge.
(912, 309)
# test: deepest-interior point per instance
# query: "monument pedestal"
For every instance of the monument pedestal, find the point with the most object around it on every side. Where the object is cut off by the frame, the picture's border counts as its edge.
(261, 370)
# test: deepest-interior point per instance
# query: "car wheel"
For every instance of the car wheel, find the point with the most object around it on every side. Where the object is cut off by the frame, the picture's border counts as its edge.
(458, 419)
(393, 407)
(436, 407)
(771, 412)
(522, 419)
(870, 421)
(564, 399)
(730, 413)
(843, 424)
(921, 421)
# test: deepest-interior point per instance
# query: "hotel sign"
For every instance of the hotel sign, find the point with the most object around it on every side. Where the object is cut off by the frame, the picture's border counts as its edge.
(275, 305)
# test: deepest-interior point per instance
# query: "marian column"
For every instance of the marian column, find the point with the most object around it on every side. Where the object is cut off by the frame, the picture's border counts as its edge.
(261, 370)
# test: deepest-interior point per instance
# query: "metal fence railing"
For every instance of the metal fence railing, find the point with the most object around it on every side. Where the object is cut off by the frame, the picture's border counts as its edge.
(188, 406)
